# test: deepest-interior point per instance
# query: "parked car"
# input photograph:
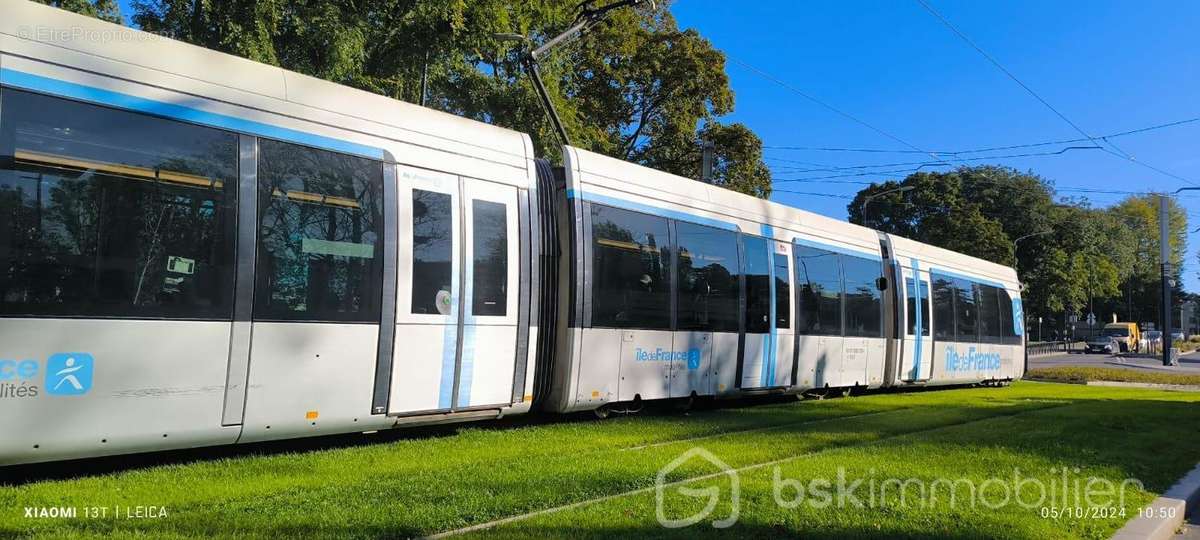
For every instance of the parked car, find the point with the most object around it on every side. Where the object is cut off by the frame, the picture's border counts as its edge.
(1177, 335)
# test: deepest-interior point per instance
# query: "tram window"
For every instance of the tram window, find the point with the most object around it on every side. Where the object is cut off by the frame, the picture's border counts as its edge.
(965, 311)
(758, 284)
(989, 314)
(818, 292)
(911, 295)
(630, 269)
(864, 301)
(320, 235)
(783, 292)
(109, 213)
(433, 251)
(1008, 332)
(943, 308)
(707, 278)
(489, 290)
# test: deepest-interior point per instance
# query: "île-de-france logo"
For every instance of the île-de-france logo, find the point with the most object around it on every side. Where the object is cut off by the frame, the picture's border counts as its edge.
(69, 374)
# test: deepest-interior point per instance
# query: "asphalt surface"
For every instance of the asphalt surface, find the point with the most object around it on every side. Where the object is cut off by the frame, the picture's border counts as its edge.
(1188, 363)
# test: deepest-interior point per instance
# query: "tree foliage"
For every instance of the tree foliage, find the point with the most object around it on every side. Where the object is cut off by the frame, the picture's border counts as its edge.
(107, 10)
(1071, 257)
(637, 88)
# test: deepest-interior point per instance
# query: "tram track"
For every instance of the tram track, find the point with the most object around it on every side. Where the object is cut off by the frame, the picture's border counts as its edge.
(744, 468)
(761, 429)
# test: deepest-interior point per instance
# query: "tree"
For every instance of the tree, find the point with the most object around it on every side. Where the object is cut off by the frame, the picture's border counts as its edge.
(637, 88)
(971, 210)
(737, 159)
(1141, 290)
(107, 10)
(1075, 256)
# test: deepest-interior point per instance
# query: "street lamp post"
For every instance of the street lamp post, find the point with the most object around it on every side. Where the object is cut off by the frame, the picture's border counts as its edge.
(869, 198)
(1164, 251)
(1017, 242)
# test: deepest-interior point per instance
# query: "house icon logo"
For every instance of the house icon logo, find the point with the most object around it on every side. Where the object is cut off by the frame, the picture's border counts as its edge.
(69, 374)
(712, 493)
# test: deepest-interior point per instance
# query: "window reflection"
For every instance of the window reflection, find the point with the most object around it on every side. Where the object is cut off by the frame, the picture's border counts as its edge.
(708, 278)
(433, 245)
(783, 292)
(864, 300)
(319, 235)
(758, 285)
(631, 278)
(112, 213)
(819, 288)
(489, 292)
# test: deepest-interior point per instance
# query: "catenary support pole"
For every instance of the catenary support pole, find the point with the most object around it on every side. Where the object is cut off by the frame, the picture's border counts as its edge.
(1164, 252)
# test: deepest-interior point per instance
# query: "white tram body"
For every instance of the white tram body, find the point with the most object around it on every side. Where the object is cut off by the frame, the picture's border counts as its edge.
(197, 249)
(804, 309)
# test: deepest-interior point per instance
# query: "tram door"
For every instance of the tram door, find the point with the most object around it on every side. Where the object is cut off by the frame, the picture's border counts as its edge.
(456, 317)
(917, 357)
(765, 361)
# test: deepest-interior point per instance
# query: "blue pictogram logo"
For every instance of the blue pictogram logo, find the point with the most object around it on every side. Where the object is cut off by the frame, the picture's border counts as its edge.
(1018, 317)
(693, 356)
(69, 374)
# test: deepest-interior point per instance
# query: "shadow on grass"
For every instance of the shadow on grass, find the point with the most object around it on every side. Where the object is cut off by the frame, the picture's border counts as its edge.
(1152, 440)
(772, 532)
(16, 475)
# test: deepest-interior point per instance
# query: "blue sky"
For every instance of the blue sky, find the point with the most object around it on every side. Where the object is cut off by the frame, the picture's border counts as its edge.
(1107, 66)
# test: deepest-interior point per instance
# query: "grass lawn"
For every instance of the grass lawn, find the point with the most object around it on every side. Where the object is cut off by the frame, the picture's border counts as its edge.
(1084, 374)
(470, 475)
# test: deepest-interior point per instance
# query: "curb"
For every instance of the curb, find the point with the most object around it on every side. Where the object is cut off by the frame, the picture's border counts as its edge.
(1162, 517)
(1152, 386)
(1120, 384)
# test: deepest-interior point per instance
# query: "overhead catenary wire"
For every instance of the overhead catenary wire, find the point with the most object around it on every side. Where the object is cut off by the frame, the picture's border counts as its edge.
(813, 194)
(827, 106)
(986, 149)
(908, 170)
(1122, 154)
(923, 164)
(1055, 188)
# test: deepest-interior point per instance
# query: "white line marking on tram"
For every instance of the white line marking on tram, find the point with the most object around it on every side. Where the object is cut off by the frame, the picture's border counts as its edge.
(739, 470)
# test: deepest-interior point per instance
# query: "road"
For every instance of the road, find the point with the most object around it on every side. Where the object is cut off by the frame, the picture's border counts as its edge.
(1188, 364)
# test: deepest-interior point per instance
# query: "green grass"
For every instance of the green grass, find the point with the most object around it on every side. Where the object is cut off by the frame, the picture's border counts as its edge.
(1083, 374)
(476, 474)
